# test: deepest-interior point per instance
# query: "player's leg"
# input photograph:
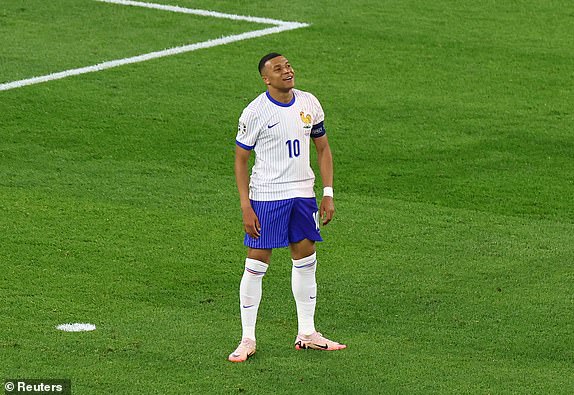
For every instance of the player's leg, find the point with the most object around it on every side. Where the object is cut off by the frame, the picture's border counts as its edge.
(304, 231)
(251, 288)
(256, 264)
(250, 291)
(303, 283)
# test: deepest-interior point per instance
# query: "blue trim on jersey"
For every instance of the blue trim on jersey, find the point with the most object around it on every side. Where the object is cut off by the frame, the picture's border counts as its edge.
(278, 102)
(246, 147)
(318, 130)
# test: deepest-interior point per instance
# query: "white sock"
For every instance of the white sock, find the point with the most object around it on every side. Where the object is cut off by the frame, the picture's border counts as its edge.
(250, 291)
(304, 289)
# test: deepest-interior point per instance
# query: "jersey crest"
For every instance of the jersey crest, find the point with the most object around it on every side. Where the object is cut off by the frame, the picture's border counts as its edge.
(306, 118)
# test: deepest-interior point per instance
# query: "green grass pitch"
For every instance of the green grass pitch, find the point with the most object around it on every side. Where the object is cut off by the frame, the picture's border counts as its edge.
(447, 270)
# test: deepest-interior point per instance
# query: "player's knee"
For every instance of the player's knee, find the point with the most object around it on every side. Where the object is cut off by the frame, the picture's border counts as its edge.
(259, 254)
(302, 249)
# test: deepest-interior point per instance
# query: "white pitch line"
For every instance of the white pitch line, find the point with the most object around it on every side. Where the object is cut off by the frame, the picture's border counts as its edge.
(192, 11)
(280, 26)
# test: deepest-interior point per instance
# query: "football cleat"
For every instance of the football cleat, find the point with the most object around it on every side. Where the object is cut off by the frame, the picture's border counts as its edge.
(316, 341)
(245, 349)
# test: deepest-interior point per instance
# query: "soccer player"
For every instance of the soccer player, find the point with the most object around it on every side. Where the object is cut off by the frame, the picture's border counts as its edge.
(278, 200)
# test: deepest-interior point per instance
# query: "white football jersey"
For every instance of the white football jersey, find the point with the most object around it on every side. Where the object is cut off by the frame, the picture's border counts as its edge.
(280, 135)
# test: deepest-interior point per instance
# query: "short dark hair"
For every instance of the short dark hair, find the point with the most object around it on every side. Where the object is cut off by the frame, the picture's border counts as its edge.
(264, 60)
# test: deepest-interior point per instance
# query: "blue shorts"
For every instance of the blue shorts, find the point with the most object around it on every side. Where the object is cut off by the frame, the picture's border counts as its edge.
(285, 221)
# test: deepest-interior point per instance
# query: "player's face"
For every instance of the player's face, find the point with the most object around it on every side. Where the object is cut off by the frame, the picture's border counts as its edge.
(279, 74)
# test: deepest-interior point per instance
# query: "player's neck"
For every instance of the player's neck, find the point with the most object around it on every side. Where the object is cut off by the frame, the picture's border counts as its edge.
(282, 96)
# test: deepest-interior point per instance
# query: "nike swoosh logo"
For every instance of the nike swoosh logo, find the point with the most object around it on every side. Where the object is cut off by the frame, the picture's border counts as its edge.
(270, 126)
(246, 307)
(312, 297)
(321, 346)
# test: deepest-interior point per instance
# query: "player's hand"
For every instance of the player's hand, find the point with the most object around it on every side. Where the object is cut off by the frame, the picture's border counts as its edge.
(327, 209)
(251, 223)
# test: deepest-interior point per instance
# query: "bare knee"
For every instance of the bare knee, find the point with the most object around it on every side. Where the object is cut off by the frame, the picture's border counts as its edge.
(302, 249)
(259, 254)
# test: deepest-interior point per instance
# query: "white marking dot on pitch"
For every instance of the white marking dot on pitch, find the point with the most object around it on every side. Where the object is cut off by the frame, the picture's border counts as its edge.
(76, 327)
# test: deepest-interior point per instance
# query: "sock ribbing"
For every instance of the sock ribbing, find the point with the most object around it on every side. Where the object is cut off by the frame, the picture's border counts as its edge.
(304, 287)
(250, 292)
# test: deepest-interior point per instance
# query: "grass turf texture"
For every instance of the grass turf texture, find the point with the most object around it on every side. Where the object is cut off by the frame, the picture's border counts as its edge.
(447, 270)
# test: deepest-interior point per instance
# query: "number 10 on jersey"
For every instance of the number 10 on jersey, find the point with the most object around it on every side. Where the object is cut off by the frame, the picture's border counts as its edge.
(294, 148)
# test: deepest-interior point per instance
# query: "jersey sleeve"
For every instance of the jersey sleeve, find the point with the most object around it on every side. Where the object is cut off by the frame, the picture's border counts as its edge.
(247, 130)
(318, 129)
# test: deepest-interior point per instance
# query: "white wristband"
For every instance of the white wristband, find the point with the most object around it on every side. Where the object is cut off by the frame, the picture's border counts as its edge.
(328, 191)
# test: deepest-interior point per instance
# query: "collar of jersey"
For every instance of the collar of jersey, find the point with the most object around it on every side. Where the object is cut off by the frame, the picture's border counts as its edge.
(279, 103)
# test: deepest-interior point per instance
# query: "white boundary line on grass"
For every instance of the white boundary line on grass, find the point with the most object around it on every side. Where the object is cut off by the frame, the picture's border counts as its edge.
(279, 26)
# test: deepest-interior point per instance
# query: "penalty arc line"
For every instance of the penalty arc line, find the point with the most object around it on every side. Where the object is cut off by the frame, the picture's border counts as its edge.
(280, 26)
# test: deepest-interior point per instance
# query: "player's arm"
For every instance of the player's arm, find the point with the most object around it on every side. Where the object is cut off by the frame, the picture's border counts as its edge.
(325, 159)
(250, 220)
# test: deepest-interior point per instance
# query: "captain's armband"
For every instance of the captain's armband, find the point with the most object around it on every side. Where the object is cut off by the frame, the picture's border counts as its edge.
(318, 130)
